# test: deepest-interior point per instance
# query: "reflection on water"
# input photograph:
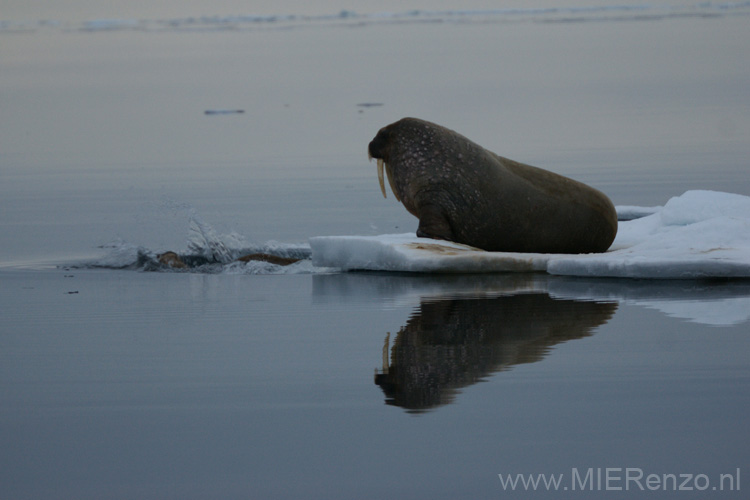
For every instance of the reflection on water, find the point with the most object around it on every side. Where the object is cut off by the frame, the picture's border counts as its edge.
(450, 344)
(464, 328)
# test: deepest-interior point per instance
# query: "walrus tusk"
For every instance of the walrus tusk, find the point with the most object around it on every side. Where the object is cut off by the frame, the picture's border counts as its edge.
(380, 177)
(389, 172)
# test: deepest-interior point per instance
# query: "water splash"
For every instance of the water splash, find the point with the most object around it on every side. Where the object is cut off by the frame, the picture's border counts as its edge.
(207, 252)
(203, 241)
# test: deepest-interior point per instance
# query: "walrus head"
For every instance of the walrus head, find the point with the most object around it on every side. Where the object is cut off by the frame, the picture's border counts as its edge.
(379, 148)
(417, 156)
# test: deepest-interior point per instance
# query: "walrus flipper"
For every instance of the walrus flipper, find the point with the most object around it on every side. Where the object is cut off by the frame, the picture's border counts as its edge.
(434, 224)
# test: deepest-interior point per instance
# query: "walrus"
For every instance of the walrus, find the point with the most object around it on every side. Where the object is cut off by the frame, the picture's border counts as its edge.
(464, 193)
(173, 260)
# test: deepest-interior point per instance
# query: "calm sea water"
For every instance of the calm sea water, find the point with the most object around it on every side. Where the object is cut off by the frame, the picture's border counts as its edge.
(126, 384)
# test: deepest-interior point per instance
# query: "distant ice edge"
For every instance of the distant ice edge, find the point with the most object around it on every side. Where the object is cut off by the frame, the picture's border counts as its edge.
(700, 234)
(560, 14)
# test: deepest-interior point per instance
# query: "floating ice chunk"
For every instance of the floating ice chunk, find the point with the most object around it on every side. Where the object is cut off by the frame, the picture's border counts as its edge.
(697, 206)
(111, 24)
(120, 255)
(701, 234)
(224, 112)
(408, 253)
(630, 212)
(696, 235)
(719, 247)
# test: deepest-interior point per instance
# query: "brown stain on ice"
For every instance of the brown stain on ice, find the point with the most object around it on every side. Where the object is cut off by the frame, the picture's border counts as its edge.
(477, 256)
(716, 249)
(442, 249)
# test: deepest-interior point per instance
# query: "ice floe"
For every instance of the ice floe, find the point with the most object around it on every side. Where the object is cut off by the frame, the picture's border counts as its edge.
(700, 234)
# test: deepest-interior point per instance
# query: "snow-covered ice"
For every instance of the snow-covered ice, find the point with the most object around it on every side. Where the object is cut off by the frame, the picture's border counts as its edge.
(700, 234)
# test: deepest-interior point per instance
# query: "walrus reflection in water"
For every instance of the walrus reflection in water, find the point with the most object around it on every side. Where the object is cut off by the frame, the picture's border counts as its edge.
(462, 192)
(450, 344)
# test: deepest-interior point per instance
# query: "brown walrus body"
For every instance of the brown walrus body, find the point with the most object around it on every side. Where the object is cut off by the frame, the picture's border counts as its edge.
(171, 259)
(461, 192)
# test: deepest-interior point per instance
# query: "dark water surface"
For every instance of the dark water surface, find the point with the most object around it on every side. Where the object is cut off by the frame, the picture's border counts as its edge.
(123, 385)
(126, 384)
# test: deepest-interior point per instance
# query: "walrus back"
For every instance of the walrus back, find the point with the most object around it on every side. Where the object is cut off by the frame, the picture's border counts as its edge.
(527, 209)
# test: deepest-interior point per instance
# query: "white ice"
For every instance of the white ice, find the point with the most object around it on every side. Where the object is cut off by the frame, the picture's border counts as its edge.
(700, 234)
